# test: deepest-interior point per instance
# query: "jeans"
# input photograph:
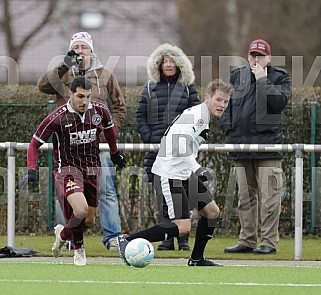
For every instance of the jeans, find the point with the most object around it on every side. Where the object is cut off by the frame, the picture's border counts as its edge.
(108, 205)
(60, 219)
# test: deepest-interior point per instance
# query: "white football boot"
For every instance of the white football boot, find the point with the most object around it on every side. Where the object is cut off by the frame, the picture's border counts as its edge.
(80, 257)
(59, 243)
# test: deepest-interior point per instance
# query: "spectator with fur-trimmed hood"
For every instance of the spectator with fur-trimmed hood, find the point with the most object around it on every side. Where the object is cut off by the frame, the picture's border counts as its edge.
(168, 92)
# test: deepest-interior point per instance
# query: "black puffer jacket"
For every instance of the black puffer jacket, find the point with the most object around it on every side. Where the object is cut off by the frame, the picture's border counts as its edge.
(163, 98)
(254, 114)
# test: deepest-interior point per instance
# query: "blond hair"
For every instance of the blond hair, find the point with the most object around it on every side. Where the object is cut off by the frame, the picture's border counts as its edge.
(218, 84)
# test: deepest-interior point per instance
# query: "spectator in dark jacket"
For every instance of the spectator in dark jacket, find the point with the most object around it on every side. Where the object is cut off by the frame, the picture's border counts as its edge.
(168, 92)
(254, 116)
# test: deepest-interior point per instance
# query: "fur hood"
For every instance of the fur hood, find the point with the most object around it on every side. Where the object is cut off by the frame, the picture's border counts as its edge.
(187, 76)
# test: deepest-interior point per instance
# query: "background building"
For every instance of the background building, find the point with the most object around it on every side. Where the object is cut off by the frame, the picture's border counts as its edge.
(125, 32)
(32, 32)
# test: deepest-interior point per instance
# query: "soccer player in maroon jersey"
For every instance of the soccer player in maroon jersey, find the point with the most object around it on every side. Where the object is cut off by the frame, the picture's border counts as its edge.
(75, 127)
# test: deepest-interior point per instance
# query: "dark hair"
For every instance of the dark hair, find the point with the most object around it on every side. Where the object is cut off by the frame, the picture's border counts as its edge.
(219, 84)
(81, 82)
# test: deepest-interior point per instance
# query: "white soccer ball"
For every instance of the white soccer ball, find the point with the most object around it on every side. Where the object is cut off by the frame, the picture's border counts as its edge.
(139, 252)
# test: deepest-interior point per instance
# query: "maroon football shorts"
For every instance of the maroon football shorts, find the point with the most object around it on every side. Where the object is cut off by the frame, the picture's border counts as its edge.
(68, 183)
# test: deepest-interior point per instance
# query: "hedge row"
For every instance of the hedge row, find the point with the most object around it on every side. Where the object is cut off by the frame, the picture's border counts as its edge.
(22, 111)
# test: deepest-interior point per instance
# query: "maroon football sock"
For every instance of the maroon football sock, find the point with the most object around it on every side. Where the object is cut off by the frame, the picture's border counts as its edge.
(65, 233)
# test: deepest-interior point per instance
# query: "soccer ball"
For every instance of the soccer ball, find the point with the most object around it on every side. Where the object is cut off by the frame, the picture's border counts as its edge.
(139, 252)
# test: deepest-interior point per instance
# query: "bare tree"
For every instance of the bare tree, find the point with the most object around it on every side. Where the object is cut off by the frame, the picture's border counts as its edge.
(7, 24)
(225, 27)
(238, 26)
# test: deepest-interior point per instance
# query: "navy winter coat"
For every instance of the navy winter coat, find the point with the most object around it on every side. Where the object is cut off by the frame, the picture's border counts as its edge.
(254, 114)
(159, 104)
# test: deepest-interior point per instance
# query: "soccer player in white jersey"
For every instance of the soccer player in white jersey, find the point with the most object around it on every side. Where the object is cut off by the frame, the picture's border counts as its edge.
(179, 179)
(75, 127)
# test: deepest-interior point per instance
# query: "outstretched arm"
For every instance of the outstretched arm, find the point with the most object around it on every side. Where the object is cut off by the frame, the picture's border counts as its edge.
(32, 153)
(32, 156)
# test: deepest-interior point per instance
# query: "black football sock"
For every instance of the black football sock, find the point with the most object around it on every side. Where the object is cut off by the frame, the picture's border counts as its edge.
(204, 232)
(159, 232)
(77, 227)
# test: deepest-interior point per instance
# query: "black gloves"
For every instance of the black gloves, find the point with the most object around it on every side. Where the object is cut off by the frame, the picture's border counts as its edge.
(204, 175)
(119, 159)
(30, 178)
(204, 134)
(72, 58)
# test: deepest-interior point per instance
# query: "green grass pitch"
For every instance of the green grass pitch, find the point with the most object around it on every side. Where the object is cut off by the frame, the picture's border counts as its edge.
(50, 276)
(32, 278)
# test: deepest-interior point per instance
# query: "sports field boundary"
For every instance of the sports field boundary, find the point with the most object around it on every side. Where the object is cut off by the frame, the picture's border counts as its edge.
(165, 261)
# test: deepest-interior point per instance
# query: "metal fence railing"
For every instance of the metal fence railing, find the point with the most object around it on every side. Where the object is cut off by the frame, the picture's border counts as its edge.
(297, 149)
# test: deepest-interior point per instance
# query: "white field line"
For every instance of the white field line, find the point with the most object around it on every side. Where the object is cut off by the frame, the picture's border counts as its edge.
(158, 283)
(69, 261)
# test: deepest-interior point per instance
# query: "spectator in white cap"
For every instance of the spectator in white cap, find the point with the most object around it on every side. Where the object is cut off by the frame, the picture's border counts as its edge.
(81, 60)
(81, 37)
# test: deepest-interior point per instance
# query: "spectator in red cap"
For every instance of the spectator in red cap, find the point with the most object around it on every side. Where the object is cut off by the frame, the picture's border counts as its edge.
(254, 116)
(260, 46)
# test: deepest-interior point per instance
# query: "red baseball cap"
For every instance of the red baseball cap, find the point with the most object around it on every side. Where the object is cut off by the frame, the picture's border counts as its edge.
(260, 46)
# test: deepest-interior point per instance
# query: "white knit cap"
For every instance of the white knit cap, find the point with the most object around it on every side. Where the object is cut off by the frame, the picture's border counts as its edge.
(82, 37)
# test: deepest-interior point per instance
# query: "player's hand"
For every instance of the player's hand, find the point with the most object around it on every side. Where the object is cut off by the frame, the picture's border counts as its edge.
(30, 178)
(119, 159)
(72, 58)
(204, 175)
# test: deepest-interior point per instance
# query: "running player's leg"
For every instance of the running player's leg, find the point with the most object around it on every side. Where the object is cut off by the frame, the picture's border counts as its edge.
(62, 232)
(200, 198)
(205, 229)
(91, 192)
(172, 198)
(173, 194)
